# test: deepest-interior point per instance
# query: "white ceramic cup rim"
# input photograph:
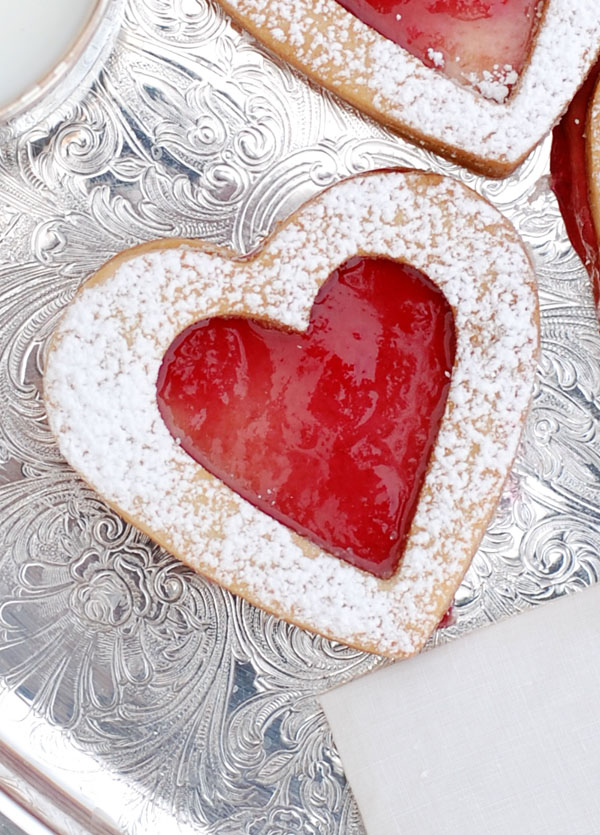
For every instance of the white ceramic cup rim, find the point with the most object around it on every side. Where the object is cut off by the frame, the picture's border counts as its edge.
(43, 88)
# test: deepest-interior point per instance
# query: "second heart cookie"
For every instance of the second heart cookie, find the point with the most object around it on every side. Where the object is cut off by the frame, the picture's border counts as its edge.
(487, 118)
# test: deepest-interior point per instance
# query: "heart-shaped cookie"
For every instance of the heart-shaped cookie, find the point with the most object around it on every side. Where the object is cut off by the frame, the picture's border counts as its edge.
(105, 358)
(491, 135)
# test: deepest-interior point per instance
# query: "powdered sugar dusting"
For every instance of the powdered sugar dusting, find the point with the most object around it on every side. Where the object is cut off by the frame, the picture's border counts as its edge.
(100, 387)
(339, 51)
(495, 84)
(436, 57)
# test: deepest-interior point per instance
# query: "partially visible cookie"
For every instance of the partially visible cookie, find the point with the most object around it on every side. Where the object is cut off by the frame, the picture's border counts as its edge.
(592, 140)
(490, 125)
(106, 355)
(575, 174)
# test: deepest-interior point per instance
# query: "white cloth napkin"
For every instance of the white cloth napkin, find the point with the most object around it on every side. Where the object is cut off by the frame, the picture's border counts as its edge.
(497, 733)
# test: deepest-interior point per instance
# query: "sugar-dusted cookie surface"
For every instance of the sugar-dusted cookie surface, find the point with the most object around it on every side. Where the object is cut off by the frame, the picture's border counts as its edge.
(492, 134)
(105, 357)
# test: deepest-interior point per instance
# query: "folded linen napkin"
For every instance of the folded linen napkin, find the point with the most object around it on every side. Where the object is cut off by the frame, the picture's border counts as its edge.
(497, 733)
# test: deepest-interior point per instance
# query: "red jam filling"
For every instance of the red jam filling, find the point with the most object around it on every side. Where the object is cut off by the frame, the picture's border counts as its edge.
(484, 43)
(569, 178)
(448, 619)
(329, 431)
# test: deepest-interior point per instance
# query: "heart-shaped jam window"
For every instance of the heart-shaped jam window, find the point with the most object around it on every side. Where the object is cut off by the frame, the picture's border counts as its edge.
(330, 430)
(483, 43)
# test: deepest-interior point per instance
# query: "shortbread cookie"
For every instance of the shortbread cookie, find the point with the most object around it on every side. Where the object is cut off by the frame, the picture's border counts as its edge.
(575, 174)
(108, 356)
(487, 118)
(592, 149)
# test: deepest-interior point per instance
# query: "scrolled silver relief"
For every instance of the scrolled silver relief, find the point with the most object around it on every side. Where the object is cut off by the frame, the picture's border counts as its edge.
(203, 706)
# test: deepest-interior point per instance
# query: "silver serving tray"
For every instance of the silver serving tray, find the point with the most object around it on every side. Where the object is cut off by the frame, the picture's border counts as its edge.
(137, 697)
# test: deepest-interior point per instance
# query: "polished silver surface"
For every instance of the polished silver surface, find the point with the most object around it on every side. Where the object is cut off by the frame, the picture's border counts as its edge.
(16, 820)
(7, 827)
(135, 696)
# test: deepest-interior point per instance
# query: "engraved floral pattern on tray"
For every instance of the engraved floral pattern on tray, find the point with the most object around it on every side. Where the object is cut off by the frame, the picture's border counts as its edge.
(202, 710)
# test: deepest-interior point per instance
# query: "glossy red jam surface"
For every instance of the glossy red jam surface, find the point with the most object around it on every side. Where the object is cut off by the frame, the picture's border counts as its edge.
(461, 37)
(569, 178)
(448, 619)
(329, 431)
